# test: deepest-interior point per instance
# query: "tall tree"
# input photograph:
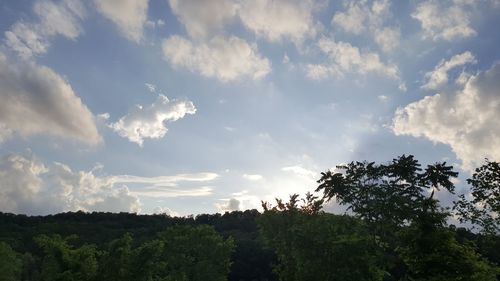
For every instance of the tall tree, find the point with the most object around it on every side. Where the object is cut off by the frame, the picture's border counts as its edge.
(313, 245)
(482, 207)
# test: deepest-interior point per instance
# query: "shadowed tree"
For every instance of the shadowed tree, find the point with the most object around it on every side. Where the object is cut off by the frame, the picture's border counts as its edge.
(312, 245)
(10, 263)
(483, 208)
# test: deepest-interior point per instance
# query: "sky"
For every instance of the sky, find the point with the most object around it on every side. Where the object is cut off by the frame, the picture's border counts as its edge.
(189, 107)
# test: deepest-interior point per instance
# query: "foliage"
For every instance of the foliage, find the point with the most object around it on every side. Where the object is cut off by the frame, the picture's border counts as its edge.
(484, 207)
(10, 263)
(432, 253)
(389, 195)
(312, 245)
(62, 262)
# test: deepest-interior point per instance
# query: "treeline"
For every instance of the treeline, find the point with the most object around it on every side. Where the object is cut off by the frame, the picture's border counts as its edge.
(394, 229)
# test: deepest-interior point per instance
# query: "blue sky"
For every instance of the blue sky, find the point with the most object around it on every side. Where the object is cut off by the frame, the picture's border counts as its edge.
(190, 107)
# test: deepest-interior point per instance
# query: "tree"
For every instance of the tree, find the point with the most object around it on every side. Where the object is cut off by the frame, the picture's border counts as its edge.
(313, 245)
(388, 195)
(62, 262)
(10, 263)
(115, 264)
(431, 252)
(180, 253)
(484, 207)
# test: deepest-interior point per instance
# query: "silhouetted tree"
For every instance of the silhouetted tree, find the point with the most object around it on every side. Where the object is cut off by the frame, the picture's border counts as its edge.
(483, 208)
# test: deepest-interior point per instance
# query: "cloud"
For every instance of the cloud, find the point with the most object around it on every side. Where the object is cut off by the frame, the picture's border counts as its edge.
(28, 186)
(444, 20)
(254, 177)
(359, 17)
(439, 76)
(202, 21)
(467, 120)
(32, 38)
(166, 211)
(149, 122)
(388, 38)
(128, 15)
(229, 206)
(300, 171)
(268, 19)
(279, 19)
(345, 58)
(224, 59)
(35, 100)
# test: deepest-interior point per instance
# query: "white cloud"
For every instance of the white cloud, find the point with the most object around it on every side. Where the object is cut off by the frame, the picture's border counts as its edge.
(149, 122)
(32, 38)
(444, 20)
(300, 171)
(36, 100)
(382, 98)
(164, 210)
(320, 72)
(466, 120)
(388, 38)
(28, 186)
(230, 205)
(352, 20)
(150, 87)
(224, 59)
(272, 20)
(439, 76)
(360, 17)
(169, 192)
(279, 19)
(345, 58)
(254, 177)
(128, 15)
(203, 20)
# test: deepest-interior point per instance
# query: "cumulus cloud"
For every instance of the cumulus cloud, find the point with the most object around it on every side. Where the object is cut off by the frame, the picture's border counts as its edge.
(149, 122)
(444, 20)
(32, 38)
(467, 120)
(278, 19)
(221, 58)
(165, 211)
(272, 20)
(439, 76)
(345, 58)
(29, 186)
(36, 100)
(129, 16)
(201, 21)
(229, 205)
(359, 17)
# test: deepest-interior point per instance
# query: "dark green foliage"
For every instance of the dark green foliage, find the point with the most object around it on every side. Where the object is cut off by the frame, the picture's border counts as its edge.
(312, 245)
(390, 195)
(483, 208)
(10, 263)
(62, 262)
(432, 252)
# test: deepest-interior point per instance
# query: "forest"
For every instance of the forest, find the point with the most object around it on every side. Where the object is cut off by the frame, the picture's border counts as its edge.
(395, 228)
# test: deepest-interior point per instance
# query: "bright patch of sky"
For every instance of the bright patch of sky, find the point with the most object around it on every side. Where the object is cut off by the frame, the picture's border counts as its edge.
(190, 107)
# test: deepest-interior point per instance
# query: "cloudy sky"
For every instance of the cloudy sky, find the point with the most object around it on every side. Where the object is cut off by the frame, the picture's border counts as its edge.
(205, 106)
